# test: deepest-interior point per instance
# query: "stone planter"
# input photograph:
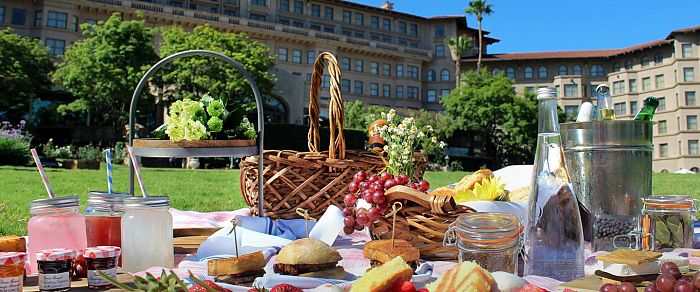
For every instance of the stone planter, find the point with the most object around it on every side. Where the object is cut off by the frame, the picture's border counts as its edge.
(80, 164)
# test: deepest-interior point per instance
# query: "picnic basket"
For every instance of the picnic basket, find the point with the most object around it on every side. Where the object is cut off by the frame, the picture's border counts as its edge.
(315, 179)
(423, 221)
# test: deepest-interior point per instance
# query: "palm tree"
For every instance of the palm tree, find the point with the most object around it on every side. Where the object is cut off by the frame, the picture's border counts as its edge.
(458, 45)
(479, 8)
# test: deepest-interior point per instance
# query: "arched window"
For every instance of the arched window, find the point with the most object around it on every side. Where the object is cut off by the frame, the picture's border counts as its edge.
(528, 72)
(275, 110)
(694, 169)
(496, 71)
(628, 64)
(431, 75)
(576, 70)
(597, 70)
(510, 72)
(445, 75)
(542, 72)
(645, 61)
(563, 70)
(658, 58)
(616, 67)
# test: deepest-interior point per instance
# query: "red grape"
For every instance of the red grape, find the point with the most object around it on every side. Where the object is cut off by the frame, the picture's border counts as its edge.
(362, 219)
(414, 186)
(349, 221)
(350, 200)
(389, 183)
(401, 179)
(372, 179)
(353, 187)
(665, 283)
(383, 208)
(423, 186)
(685, 279)
(373, 213)
(651, 288)
(683, 286)
(696, 280)
(608, 288)
(385, 176)
(377, 186)
(360, 210)
(627, 287)
(359, 176)
(358, 227)
(364, 185)
(671, 269)
(367, 196)
(348, 230)
(348, 211)
(378, 197)
(79, 268)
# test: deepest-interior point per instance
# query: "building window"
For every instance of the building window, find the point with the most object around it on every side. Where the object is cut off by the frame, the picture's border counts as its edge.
(571, 111)
(645, 61)
(328, 13)
(2, 14)
(315, 10)
(563, 70)
(688, 74)
(283, 21)
(620, 109)
(616, 67)
(359, 19)
(374, 21)
(633, 85)
(618, 87)
(345, 63)
(597, 70)
(439, 50)
(431, 95)
(663, 127)
(689, 98)
(284, 5)
(692, 122)
(258, 2)
(38, 15)
(374, 89)
(529, 73)
(56, 47)
(628, 64)
(374, 68)
(296, 56)
(359, 65)
(662, 104)
(542, 72)
(345, 85)
(310, 57)
(399, 91)
(347, 16)
(693, 148)
(633, 107)
(325, 81)
(298, 24)
(282, 54)
(231, 12)
(659, 81)
(358, 87)
(19, 16)
(75, 23)
(258, 17)
(510, 72)
(576, 70)
(299, 7)
(386, 90)
(413, 29)
(329, 29)
(386, 24)
(444, 92)
(529, 90)
(444, 75)
(663, 150)
(413, 72)
(570, 89)
(386, 69)
(658, 59)
(439, 30)
(402, 27)
(399, 70)
(495, 71)
(412, 92)
(646, 83)
(687, 50)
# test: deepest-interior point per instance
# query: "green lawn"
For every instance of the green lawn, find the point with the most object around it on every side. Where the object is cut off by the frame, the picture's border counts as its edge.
(199, 190)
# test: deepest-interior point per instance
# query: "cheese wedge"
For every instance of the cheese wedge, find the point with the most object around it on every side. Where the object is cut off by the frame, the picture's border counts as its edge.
(648, 268)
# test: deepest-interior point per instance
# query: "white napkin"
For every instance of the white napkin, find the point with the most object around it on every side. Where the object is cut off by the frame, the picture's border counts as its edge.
(270, 280)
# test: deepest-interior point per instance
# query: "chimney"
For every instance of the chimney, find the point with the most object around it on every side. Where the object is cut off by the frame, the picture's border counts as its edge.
(387, 5)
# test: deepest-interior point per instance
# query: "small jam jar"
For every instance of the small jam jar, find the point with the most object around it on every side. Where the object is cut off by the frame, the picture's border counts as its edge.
(55, 269)
(12, 271)
(492, 240)
(103, 259)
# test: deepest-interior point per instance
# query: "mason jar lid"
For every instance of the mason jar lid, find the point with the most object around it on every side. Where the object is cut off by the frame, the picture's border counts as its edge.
(54, 203)
(488, 228)
(147, 202)
(104, 201)
(669, 203)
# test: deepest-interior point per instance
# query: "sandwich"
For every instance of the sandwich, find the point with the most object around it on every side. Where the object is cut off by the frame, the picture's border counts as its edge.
(309, 257)
(381, 251)
(467, 277)
(636, 266)
(238, 270)
(385, 277)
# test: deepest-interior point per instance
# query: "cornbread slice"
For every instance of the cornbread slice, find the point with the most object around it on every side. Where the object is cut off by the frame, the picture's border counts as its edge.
(629, 257)
(12, 244)
(465, 277)
(384, 277)
(232, 266)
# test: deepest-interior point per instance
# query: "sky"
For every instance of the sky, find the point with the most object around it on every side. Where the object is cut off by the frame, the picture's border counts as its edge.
(562, 25)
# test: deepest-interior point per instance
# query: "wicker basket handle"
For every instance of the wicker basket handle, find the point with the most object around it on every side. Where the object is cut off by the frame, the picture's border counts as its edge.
(436, 204)
(336, 111)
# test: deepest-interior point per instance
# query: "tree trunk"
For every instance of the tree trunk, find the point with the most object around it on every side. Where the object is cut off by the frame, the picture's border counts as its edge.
(478, 63)
(458, 72)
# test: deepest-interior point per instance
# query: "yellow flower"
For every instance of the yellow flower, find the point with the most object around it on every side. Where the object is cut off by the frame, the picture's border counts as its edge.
(489, 189)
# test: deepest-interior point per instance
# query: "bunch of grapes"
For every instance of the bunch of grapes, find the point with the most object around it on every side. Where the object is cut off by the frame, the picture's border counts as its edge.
(670, 280)
(371, 189)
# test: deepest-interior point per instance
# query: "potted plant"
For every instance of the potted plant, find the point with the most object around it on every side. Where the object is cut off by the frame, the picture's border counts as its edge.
(65, 155)
(89, 157)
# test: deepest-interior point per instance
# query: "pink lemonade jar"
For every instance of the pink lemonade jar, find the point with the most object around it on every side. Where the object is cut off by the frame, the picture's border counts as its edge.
(55, 223)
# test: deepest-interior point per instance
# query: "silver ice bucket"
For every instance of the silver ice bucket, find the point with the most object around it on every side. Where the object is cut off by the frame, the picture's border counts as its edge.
(610, 167)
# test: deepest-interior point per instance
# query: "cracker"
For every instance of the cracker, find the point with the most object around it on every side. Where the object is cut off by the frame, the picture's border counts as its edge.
(629, 257)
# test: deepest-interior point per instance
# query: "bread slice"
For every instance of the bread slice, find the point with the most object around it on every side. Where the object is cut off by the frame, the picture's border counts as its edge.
(337, 273)
(233, 266)
(12, 244)
(384, 277)
(468, 182)
(467, 277)
(383, 250)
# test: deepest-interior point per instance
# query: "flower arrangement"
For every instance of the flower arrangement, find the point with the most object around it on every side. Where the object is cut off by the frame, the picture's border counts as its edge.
(403, 137)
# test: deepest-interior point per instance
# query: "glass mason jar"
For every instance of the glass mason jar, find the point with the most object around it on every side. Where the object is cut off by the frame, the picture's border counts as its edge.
(490, 239)
(103, 217)
(669, 220)
(55, 223)
(147, 234)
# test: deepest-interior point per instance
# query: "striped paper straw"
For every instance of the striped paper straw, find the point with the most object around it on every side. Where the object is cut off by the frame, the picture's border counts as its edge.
(108, 157)
(137, 170)
(44, 179)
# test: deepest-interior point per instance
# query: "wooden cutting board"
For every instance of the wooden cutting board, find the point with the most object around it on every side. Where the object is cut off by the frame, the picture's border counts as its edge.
(188, 240)
(32, 283)
(590, 283)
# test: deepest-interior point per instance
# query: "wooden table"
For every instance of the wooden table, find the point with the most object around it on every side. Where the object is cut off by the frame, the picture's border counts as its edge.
(32, 283)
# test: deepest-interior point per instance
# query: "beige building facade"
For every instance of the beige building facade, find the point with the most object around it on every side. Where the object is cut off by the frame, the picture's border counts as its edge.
(667, 69)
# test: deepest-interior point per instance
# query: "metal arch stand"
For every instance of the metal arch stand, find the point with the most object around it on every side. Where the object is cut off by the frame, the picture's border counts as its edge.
(211, 152)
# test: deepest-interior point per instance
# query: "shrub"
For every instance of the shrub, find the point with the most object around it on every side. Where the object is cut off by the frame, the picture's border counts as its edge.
(89, 152)
(63, 152)
(14, 144)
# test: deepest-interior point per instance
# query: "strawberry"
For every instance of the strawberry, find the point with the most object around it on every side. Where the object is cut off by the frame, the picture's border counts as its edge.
(197, 288)
(406, 286)
(531, 288)
(216, 287)
(285, 288)
(256, 289)
(423, 290)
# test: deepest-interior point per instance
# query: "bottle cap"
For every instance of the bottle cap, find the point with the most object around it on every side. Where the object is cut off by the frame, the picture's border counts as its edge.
(151, 201)
(546, 93)
(55, 255)
(100, 252)
(54, 203)
(12, 258)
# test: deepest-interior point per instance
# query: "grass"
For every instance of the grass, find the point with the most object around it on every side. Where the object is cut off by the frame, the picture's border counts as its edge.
(197, 190)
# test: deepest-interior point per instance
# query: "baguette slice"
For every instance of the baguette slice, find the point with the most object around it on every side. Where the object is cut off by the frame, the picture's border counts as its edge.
(384, 277)
(233, 266)
(466, 277)
(12, 244)
(383, 251)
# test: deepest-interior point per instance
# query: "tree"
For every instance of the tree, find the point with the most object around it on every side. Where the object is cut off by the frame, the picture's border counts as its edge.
(103, 69)
(24, 73)
(458, 45)
(479, 8)
(487, 103)
(359, 117)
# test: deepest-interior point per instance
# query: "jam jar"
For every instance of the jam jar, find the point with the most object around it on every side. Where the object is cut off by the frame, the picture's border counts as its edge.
(12, 271)
(103, 259)
(55, 269)
(492, 240)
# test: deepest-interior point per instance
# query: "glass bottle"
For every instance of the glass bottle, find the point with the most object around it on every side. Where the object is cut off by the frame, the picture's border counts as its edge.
(147, 234)
(553, 236)
(647, 112)
(606, 110)
(55, 223)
